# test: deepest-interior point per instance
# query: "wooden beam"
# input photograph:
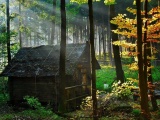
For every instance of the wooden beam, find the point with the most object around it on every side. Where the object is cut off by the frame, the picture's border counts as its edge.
(75, 86)
(77, 97)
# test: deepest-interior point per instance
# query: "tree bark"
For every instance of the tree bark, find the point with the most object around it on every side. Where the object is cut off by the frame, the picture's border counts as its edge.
(93, 72)
(104, 43)
(117, 58)
(109, 48)
(147, 62)
(8, 31)
(99, 38)
(62, 71)
(20, 23)
(142, 81)
(53, 24)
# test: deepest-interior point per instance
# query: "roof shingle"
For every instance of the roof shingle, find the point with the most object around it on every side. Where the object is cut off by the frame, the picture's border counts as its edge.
(43, 61)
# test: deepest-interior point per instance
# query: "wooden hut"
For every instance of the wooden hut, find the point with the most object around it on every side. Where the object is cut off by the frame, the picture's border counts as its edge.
(34, 71)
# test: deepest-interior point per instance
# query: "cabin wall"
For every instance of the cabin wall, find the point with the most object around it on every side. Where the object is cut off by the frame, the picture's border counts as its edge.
(43, 88)
(77, 91)
(85, 65)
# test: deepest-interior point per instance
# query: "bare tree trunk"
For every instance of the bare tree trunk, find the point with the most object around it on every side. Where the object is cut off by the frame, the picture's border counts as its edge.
(20, 23)
(74, 33)
(62, 71)
(35, 38)
(99, 42)
(8, 31)
(81, 39)
(53, 24)
(117, 58)
(104, 44)
(49, 34)
(142, 81)
(9, 50)
(109, 41)
(94, 98)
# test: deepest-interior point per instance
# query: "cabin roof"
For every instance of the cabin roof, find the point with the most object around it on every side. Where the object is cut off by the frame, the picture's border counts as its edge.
(43, 60)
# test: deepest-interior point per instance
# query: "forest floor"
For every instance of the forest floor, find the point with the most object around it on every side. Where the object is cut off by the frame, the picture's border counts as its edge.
(114, 110)
(117, 110)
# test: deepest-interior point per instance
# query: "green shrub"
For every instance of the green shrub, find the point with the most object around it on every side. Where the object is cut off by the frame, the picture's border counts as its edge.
(40, 111)
(39, 114)
(123, 90)
(7, 117)
(136, 112)
(3, 90)
(127, 60)
(33, 102)
(87, 102)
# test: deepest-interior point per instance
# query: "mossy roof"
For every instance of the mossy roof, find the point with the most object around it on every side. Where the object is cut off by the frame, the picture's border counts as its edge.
(43, 61)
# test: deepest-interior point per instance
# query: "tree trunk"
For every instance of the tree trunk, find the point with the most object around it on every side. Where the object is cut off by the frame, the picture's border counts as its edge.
(74, 33)
(93, 72)
(49, 34)
(53, 24)
(62, 71)
(109, 39)
(104, 44)
(20, 23)
(8, 32)
(99, 29)
(142, 82)
(117, 59)
(147, 62)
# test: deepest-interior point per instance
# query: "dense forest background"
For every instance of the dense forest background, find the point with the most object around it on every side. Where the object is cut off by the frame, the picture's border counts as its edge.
(38, 23)
(27, 23)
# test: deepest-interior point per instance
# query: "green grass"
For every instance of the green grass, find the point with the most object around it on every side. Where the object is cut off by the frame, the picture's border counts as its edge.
(7, 117)
(130, 73)
(105, 75)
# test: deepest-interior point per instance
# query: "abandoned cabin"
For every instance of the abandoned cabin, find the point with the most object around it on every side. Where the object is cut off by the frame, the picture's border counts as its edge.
(34, 71)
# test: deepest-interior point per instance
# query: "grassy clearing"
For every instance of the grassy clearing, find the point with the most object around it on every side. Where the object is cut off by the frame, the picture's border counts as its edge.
(106, 75)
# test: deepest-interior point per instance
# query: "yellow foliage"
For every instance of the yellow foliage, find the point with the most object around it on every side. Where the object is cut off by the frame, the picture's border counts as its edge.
(154, 10)
(127, 27)
(133, 66)
(151, 58)
(128, 53)
(82, 1)
(123, 43)
(131, 10)
(133, 80)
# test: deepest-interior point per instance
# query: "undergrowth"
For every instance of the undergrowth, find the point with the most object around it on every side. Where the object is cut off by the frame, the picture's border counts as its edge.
(107, 75)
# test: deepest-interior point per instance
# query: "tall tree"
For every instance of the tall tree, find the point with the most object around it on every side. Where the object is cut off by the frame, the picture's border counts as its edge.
(142, 82)
(53, 23)
(94, 98)
(20, 23)
(62, 71)
(8, 31)
(109, 46)
(116, 52)
(147, 62)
